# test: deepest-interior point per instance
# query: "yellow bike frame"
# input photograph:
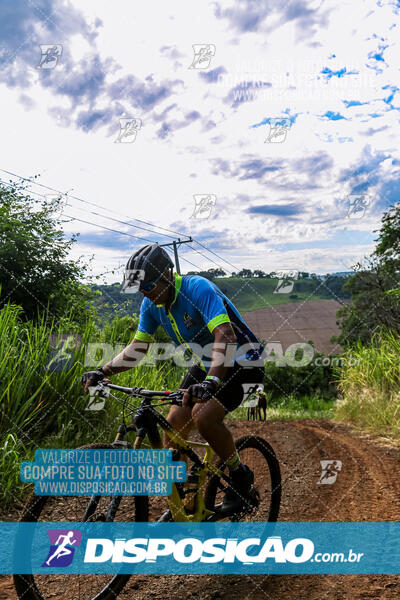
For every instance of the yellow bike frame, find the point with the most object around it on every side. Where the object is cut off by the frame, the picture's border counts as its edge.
(175, 502)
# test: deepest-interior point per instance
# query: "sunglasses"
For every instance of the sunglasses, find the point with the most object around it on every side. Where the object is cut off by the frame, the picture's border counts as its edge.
(133, 283)
(149, 285)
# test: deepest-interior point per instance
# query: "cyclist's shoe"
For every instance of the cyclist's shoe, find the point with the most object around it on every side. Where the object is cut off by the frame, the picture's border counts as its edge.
(237, 495)
(165, 517)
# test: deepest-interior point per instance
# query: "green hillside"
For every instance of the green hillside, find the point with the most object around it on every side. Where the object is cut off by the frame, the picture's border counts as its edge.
(253, 293)
(246, 293)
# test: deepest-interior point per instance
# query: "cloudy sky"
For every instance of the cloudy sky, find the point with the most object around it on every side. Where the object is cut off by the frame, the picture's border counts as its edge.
(280, 119)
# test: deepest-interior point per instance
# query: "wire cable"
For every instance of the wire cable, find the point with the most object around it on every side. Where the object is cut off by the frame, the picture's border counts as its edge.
(98, 206)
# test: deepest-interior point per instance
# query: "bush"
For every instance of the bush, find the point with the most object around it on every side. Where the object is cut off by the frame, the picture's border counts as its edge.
(284, 381)
(37, 273)
(369, 385)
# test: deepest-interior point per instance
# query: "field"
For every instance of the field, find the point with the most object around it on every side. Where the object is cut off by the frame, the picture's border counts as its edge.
(289, 323)
(252, 294)
(246, 294)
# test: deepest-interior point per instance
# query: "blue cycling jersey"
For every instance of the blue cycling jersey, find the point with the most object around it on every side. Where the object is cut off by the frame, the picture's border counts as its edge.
(198, 307)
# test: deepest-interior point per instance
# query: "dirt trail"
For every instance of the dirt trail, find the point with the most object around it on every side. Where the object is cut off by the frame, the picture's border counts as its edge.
(367, 489)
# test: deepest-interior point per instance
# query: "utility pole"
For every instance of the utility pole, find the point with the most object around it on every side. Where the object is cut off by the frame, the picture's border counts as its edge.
(176, 244)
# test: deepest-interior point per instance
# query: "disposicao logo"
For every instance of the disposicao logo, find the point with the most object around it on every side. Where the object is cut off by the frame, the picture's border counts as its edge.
(190, 550)
(62, 547)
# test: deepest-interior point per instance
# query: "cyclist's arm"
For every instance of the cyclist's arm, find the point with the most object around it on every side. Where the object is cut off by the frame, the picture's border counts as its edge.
(224, 338)
(128, 358)
(205, 297)
(132, 355)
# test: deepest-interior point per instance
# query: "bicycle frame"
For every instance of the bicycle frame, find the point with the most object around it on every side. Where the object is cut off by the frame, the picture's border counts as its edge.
(151, 419)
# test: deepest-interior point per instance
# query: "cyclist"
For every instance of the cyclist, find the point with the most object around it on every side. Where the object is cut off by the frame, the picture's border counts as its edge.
(194, 313)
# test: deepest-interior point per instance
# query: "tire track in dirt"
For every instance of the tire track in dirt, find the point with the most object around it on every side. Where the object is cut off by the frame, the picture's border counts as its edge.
(367, 489)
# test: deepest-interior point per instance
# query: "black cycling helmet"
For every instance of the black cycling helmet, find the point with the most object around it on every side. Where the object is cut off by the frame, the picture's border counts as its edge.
(145, 266)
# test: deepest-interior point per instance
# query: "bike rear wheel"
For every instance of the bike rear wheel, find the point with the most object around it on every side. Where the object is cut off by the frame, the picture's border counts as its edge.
(260, 457)
(78, 508)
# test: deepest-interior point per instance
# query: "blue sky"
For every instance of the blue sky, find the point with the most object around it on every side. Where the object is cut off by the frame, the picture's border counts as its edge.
(294, 119)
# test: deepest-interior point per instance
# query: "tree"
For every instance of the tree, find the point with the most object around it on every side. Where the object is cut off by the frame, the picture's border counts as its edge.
(388, 248)
(333, 287)
(245, 273)
(373, 308)
(216, 272)
(35, 270)
(258, 273)
(209, 274)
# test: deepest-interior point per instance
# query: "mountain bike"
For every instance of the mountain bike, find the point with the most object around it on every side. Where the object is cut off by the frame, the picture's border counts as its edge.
(199, 499)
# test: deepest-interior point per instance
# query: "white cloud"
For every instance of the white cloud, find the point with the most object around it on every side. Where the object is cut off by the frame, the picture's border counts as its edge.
(152, 179)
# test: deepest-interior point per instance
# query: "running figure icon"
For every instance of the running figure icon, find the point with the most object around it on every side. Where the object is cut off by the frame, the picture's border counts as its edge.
(62, 550)
(329, 471)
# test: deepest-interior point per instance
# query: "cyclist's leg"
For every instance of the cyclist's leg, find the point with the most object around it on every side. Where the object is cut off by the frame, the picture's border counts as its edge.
(180, 417)
(208, 418)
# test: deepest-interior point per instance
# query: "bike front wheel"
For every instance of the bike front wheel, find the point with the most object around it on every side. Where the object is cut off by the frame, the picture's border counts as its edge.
(259, 456)
(78, 509)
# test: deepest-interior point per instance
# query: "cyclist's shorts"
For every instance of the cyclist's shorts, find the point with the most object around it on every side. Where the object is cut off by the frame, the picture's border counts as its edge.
(233, 386)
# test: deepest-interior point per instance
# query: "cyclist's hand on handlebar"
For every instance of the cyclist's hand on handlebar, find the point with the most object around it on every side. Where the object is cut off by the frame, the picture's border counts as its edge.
(92, 378)
(198, 392)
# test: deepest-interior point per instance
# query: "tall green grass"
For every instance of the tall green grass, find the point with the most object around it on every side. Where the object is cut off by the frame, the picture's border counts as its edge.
(41, 407)
(370, 389)
(291, 407)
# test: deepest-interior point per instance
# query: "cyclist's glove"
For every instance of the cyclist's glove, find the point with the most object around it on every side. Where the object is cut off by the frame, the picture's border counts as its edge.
(203, 391)
(93, 377)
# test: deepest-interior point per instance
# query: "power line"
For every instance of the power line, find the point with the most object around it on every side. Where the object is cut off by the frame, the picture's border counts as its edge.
(96, 214)
(119, 232)
(215, 254)
(108, 228)
(92, 212)
(97, 225)
(116, 220)
(207, 257)
(97, 206)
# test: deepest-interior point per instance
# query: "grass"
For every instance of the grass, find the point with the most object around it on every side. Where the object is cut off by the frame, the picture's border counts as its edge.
(40, 407)
(292, 407)
(370, 388)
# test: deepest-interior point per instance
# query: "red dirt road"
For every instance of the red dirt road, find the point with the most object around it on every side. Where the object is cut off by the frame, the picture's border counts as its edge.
(367, 489)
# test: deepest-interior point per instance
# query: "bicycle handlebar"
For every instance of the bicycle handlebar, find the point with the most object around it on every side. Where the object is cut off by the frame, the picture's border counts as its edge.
(139, 391)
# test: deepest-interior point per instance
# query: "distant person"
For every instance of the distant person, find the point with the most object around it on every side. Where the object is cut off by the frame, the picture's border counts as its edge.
(262, 403)
(251, 413)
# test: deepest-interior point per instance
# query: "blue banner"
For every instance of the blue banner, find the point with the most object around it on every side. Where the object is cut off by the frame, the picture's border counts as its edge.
(199, 548)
